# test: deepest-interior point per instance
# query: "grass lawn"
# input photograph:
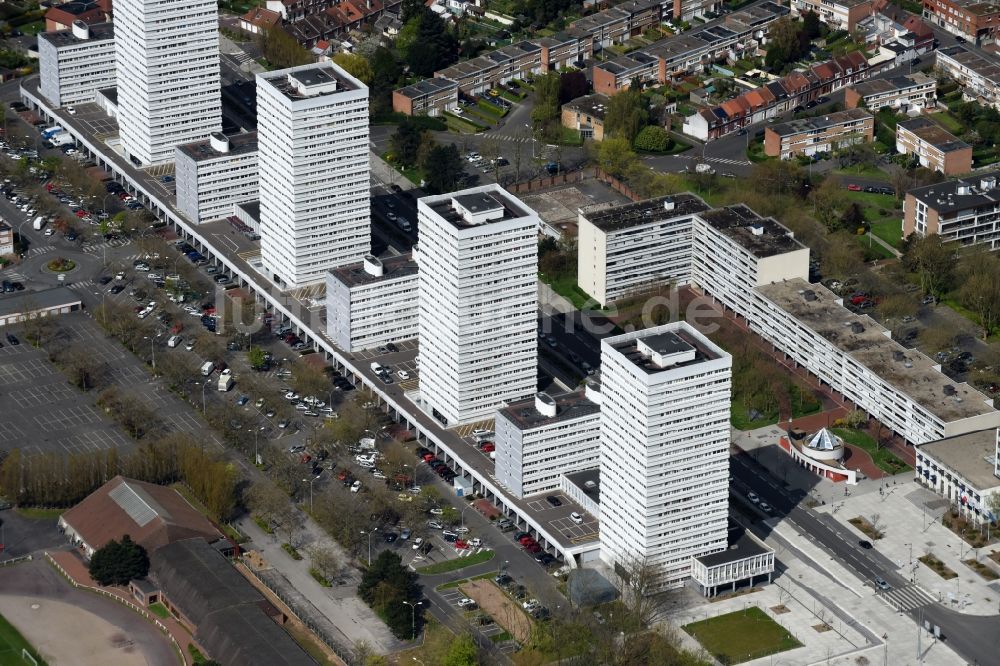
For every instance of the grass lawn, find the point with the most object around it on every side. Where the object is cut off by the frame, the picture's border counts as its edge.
(873, 251)
(36, 513)
(159, 610)
(33, 28)
(12, 643)
(457, 563)
(890, 230)
(949, 122)
(566, 286)
(884, 459)
(741, 636)
(739, 420)
(456, 583)
(863, 171)
(414, 175)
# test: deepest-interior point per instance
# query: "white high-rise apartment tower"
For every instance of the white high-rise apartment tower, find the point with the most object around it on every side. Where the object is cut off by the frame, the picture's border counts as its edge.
(664, 450)
(167, 61)
(478, 302)
(312, 137)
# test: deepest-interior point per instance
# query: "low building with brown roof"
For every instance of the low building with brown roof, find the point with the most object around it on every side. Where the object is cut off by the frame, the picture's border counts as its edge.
(586, 115)
(151, 515)
(61, 17)
(825, 133)
(934, 146)
(259, 19)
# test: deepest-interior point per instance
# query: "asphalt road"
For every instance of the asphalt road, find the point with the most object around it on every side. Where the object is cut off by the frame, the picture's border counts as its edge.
(975, 638)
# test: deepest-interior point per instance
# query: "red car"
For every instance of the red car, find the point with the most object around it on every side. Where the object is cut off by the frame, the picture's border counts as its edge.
(461, 544)
(428, 457)
(81, 213)
(854, 188)
(533, 548)
(488, 447)
(525, 540)
(342, 474)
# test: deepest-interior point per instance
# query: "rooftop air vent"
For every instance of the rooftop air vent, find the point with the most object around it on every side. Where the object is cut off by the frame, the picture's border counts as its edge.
(857, 328)
(988, 183)
(757, 229)
(897, 356)
(373, 265)
(546, 404)
(963, 189)
(81, 30)
(809, 295)
(949, 389)
(219, 142)
(668, 203)
(590, 485)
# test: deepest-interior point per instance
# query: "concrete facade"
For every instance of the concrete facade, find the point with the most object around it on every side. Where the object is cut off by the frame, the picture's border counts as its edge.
(821, 134)
(74, 64)
(935, 147)
(371, 303)
(212, 176)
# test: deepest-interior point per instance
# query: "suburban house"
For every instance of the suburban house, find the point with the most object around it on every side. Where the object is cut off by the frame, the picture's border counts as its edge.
(825, 133)
(586, 115)
(934, 146)
(902, 93)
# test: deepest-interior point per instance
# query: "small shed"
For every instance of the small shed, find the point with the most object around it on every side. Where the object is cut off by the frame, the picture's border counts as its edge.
(463, 487)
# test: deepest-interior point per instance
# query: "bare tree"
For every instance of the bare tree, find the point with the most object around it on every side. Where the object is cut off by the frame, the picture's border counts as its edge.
(638, 582)
(327, 561)
(309, 378)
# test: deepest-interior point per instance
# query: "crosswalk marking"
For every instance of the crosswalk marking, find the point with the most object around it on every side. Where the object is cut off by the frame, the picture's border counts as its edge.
(908, 597)
(81, 285)
(39, 250)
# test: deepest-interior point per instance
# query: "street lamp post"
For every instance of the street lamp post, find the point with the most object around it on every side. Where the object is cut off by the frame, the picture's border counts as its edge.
(369, 533)
(413, 618)
(463, 515)
(310, 482)
(152, 350)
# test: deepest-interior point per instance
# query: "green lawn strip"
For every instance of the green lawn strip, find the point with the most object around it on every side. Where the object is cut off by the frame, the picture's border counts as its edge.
(566, 286)
(949, 122)
(937, 566)
(569, 137)
(412, 174)
(804, 402)
(39, 513)
(456, 564)
(456, 583)
(873, 251)
(890, 230)
(884, 459)
(741, 636)
(12, 644)
(292, 552)
(159, 610)
(319, 578)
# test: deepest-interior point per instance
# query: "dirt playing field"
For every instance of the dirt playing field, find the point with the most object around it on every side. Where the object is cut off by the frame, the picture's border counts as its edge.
(65, 634)
(500, 607)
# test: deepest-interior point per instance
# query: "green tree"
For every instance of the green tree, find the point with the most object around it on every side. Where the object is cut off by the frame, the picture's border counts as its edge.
(829, 201)
(933, 261)
(404, 144)
(118, 562)
(443, 169)
(785, 43)
(385, 75)
(546, 99)
(256, 358)
(653, 139)
(811, 26)
(385, 585)
(426, 43)
(980, 290)
(356, 66)
(853, 218)
(462, 652)
(281, 50)
(615, 156)
(626, 114)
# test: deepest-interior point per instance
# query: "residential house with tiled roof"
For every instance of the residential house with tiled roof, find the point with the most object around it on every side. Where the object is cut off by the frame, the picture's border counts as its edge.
(61, 17)
(259, 19)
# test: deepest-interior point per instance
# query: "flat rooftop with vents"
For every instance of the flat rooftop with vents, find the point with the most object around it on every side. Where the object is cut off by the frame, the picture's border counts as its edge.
(612, 217)
(663, 351)
(220, 145)
(466, 211)
(760, 236)
(869, 344)
(310, 81)
(525, 415)
(960, 194)
(375, 269)
(971, 456)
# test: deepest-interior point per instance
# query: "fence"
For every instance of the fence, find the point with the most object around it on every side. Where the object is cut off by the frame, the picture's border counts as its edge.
(615, 184)
(344, 652)
(542, 183)
(15, 560)
(125, 602)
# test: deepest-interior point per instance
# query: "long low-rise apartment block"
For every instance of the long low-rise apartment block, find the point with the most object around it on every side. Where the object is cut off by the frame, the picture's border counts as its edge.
(76, 63)
(741, 32)
(430, 97)
(827, 133)
(974, 20)
(855, 355)
(371, 303)
(540, 439)
(977, 71)
(935, 147)
(214, 175)
(838, 14)
(6, 239)
(907, 92)
(791, 92)
(966, 211)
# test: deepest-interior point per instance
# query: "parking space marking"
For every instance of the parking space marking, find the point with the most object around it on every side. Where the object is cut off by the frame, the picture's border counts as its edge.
(65, 419)
(464, 431)
(36, 396)
(32, 368)
(10, 432)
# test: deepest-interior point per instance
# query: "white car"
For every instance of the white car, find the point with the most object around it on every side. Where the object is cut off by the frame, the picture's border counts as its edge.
(356, 486)
(414, 489)
(436, 511)
(466, 602)
(403, 374)
(49, 231)
(479, 432)
(576, 518)
(189, 346)
(752, 496)
(120, 275)
(462, 530)
(391, 216)
(292, 395)
(476, 543)
(302, 407)
(70, 110)
(417, 543)
(530, 604)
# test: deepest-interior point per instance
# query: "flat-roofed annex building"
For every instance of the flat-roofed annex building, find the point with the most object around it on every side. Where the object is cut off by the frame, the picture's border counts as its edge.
(430, 97)
(478, 300)
(372, 302)
(665, 403)
(213, 175)
(903, 93)
(856, 356)
(74, 64)
(540, 439)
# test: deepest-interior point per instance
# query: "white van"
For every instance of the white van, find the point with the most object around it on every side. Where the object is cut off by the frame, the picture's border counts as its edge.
(207, 368)
(174, 341)
(376, 368)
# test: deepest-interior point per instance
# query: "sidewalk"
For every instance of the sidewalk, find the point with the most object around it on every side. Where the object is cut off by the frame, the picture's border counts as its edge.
(910, 519)
(339, 604)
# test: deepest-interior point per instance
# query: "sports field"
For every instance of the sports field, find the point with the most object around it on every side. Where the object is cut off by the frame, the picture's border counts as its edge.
(11, 645)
